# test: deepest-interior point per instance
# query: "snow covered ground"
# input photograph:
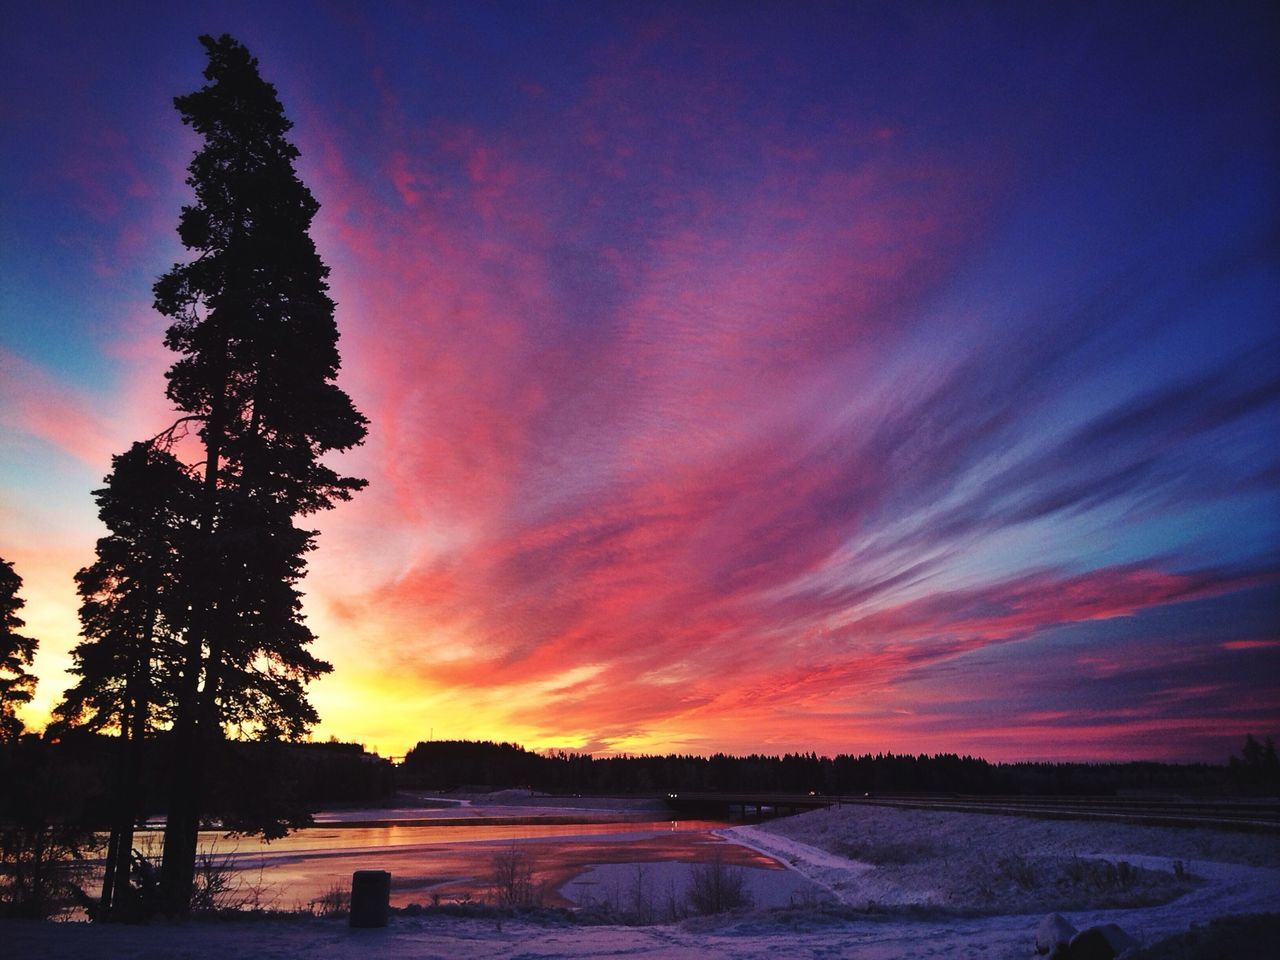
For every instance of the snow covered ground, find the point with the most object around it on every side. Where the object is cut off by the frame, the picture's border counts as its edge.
(898, 884)
(1152, 881)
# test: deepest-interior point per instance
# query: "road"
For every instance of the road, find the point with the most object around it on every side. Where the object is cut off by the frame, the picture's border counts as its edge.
(1261, 814)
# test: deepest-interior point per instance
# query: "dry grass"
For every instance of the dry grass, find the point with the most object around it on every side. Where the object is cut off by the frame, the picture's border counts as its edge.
(334, 902)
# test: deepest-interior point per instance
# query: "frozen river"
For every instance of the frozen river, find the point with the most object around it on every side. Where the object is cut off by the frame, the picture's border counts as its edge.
(442, 854)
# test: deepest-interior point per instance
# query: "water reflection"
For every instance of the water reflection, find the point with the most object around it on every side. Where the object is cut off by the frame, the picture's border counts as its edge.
(453, 861)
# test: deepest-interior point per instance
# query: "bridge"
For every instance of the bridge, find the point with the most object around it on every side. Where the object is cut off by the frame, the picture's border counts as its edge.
(745, 806)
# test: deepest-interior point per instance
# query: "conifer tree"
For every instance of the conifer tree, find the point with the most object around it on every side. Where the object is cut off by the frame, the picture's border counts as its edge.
(134, 614)
(16, 654)
(257, 341)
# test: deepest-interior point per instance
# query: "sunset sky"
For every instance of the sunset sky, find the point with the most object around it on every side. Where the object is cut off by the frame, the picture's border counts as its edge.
(745, 376)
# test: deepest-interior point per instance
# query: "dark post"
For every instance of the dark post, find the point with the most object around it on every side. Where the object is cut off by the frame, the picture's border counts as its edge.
(370, 898)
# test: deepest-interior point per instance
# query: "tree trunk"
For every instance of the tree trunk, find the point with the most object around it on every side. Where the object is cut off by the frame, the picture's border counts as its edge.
(190, 736)
(186, 765)
(181, 830)
(182, 820)
(122, 906)
(108, 881)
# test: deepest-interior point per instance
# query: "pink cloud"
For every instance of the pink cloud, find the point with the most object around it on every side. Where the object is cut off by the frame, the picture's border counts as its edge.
(64, 416)
(1250, 644)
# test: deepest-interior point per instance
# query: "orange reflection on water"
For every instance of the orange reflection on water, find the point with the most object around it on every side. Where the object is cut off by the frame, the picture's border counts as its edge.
(455, 861)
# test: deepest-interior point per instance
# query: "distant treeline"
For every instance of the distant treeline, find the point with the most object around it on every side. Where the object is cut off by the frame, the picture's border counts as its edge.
(267, 787)
(254, 787)
(448, 764)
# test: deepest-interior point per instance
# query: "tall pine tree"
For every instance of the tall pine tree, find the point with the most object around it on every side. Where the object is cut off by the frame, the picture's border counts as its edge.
(16, 654)
(134, 616)
(254, 327)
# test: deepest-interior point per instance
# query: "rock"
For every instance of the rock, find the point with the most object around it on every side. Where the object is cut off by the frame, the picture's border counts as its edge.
(1053, 935)
(1120, 941)
(1091, 944)
(1105, 942)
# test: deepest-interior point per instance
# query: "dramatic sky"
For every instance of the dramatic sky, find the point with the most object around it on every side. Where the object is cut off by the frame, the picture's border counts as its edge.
(743, 376)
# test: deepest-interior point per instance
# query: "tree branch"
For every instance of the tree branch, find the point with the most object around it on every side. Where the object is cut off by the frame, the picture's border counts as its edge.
(167, 435)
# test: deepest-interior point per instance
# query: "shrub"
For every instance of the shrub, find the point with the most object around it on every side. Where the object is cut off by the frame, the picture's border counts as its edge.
(887, 852)
(1016, 867)
(43, 868)
(716, 887)
(512, 879)
(334, 902)
(219, 887)
(642, 903)
(47, 803)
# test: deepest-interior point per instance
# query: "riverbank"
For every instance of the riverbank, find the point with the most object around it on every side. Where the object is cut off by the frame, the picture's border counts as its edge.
(945, 885)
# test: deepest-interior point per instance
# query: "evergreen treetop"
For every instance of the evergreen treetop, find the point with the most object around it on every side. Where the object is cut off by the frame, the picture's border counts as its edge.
(16, 654)
(253, 322)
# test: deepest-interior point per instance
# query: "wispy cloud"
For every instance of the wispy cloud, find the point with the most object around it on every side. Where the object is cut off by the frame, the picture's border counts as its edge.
(786, 382)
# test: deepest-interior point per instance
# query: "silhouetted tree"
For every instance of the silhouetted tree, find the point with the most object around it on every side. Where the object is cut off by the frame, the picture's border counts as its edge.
(134, 606)
(134, 612)
(1257, 764)
(16, 654)
(254, 327)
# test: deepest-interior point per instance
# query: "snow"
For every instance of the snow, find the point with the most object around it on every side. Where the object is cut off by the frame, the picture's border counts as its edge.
(931, 858)
(842, 880)
(931, 894)
(662, 887)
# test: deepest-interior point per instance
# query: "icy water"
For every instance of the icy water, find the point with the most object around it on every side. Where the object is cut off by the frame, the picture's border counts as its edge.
(451, 856)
